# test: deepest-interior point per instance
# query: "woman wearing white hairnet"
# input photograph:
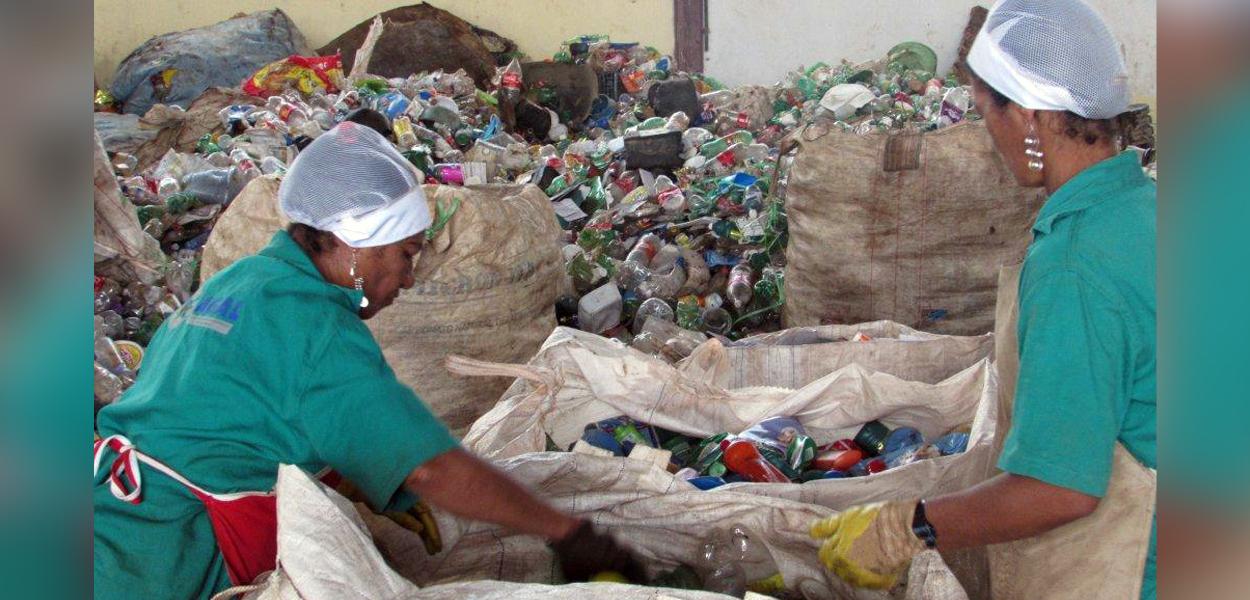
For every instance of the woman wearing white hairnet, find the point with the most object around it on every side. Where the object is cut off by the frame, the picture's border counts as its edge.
(1049, 80)
(271, 363)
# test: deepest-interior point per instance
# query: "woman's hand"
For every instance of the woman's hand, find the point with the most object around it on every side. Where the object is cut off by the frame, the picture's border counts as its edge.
(586, 552)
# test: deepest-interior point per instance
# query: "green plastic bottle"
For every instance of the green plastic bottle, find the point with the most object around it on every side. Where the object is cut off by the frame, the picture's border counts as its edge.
(206, 145)
(689, 313)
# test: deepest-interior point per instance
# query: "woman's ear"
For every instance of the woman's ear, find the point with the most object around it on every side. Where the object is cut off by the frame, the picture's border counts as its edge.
(1026, 119)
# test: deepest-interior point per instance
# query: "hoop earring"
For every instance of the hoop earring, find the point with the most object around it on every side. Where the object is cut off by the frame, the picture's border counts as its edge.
(358, 282)
(1032, 149)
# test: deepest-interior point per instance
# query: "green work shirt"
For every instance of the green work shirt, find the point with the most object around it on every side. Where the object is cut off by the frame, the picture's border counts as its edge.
(1087, 334)
(267, 364)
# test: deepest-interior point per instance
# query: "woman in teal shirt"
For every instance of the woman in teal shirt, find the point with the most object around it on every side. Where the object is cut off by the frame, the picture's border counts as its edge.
(1049, 81)
(271, 363)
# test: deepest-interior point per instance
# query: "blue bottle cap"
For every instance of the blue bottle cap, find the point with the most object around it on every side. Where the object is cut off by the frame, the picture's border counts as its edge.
(902, 438)
(602, 439)
(952, 443)
(707, 482)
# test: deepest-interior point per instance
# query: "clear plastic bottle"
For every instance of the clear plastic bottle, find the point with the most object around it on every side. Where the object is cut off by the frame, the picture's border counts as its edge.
(630, 275)
(271, 165)
(244, 163)
(110, 323)
(653, 308)
(665, 258)
(322, 117)
(219, 159)
(697, 273)
(107, 354)
(125, 164)
(647, 342)
(739, 290)
(664, 284)
(509, 81)
(717, 320)
(108, 386)
(167, 187)
(692, 139)
(724, 575)
(646, 249)
(677, 121)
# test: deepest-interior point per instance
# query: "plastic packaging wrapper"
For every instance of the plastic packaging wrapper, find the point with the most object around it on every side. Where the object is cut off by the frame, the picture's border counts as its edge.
(307, 74)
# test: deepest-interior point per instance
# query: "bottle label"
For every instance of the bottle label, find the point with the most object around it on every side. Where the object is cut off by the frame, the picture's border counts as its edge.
(131, 354)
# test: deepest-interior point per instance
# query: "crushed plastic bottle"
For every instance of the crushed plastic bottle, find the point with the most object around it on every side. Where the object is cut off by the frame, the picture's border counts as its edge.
(653, 308)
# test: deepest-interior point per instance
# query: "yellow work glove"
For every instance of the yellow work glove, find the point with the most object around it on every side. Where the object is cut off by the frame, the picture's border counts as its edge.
(869, 545)
(417, 519)
(420, 521)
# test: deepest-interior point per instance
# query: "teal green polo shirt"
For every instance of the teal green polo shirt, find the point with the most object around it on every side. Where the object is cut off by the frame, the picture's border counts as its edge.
(1087, 334)
(268, 363)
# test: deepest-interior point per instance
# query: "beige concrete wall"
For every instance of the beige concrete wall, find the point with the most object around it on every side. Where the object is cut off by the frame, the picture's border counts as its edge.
(537, 26)
(759, 41)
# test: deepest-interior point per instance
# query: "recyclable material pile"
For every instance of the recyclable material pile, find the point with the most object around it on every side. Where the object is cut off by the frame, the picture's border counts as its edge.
(674, 220)
(775, 450)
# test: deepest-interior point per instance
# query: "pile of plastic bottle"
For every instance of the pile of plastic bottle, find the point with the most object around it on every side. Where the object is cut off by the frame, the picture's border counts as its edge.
(775, 450)
(663, 258)
(660, 258)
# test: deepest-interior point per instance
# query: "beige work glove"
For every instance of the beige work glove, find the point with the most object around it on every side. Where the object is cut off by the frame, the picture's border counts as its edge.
(869, 545)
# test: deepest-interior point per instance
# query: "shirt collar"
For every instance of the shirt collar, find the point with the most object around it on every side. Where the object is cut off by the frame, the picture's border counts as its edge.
(283, 248)
(1089, 187)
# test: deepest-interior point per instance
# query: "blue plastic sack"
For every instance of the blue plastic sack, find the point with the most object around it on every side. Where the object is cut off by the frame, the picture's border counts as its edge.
(121, 133)
(176, 68)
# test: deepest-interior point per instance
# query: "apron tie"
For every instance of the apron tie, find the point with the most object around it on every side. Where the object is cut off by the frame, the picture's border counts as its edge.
(245, 524)
(125, 480)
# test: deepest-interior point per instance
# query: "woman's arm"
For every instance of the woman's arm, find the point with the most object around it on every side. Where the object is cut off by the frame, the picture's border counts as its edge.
(468, 487)
(1005, 508)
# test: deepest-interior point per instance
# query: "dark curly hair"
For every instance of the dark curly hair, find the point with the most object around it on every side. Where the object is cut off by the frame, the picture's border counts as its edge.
(311, 240)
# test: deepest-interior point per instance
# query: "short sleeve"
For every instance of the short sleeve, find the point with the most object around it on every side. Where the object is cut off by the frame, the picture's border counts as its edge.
(363, 422)
(1071, 395)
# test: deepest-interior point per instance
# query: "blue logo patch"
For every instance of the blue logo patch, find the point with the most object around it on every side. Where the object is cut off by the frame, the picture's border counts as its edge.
(217, 314)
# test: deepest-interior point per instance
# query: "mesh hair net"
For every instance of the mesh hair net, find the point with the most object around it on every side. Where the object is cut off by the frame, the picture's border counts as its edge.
(352, 182)
(1052, 55)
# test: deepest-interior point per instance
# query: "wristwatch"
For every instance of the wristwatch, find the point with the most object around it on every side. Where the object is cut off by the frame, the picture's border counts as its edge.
(922, 528)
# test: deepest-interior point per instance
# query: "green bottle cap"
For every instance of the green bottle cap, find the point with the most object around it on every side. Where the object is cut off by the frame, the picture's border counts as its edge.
(871, 437)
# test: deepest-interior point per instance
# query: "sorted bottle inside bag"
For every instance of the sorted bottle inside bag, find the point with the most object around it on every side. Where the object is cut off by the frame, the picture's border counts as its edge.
(724, 574)
(743, 458)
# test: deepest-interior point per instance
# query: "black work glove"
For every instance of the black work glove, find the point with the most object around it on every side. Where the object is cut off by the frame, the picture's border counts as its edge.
(586, 552)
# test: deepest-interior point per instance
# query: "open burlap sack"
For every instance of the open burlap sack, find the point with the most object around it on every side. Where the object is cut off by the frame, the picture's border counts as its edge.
(910, 227)
(326, 548)
(796, 357)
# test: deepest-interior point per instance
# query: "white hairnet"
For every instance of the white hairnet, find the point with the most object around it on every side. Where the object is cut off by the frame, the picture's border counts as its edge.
(352, 182)
(1052, 55)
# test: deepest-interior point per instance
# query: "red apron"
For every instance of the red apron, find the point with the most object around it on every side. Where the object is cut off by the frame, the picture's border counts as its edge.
(244, 523)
